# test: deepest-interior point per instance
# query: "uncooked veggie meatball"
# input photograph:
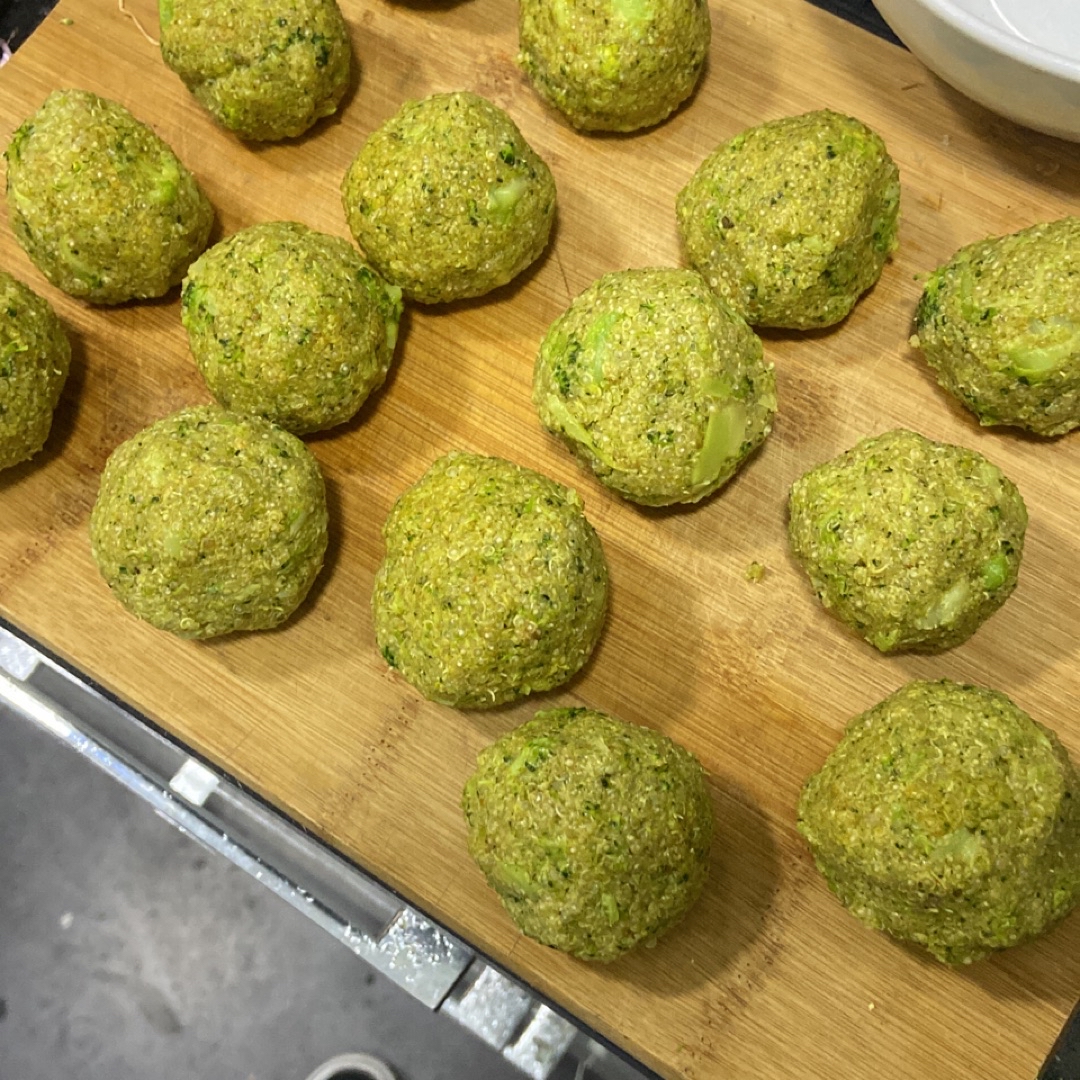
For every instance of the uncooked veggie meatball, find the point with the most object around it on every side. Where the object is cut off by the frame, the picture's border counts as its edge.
(656, 384)
(793, 220)
(265, 71)
(911, 543)
(1000, 325)
(290, 324)
(948, 818)
(447, 200)
(208, 522)
(493, 585)
(104, 208)
(35, 355)
(614, 65)
(595, 833)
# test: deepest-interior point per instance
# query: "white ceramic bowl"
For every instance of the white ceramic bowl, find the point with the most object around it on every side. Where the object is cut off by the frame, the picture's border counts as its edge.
(1020, 58)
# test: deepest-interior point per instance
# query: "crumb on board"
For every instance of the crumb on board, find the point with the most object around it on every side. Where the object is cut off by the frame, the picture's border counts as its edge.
(755, 572)
(67, 22)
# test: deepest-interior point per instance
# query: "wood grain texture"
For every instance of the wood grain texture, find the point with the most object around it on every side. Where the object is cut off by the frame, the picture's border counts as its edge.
(768, 977)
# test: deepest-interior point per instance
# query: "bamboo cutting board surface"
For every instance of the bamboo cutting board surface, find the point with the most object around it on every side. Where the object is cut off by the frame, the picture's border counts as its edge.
(768, 977)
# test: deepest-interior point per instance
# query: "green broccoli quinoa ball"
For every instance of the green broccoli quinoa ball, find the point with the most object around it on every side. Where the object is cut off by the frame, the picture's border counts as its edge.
(447, 200)
(1000, 325)
(949, 819)
(35, 355)
(615, 65)
(208, 522)
(266, 72)
(493, 585)
(103, 207)
(595, 833)
(792, 221)
(656, 384)
(290, 324)
(911, 543)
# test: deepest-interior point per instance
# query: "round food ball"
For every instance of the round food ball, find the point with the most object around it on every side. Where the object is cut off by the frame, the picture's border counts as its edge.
(617, 65)
(948, 818)
(208, 522)
(911, 543)
(791, 222)
(493, 585)
(448, 200)
(656, 384)
(103, 207)
(595, 833)
(35, 355)
(290, 324)
(1000, 324)
(264, 72)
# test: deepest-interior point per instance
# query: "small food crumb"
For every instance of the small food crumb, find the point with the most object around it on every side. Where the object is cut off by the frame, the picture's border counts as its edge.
(67, 920)
(755, 572)
(67, 22)
(871, 1006)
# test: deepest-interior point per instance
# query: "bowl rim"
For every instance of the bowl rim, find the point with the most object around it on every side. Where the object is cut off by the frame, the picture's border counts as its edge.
(1015, 47)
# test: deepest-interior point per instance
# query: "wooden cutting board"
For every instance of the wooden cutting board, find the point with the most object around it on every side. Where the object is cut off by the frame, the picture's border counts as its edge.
(768, 977)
